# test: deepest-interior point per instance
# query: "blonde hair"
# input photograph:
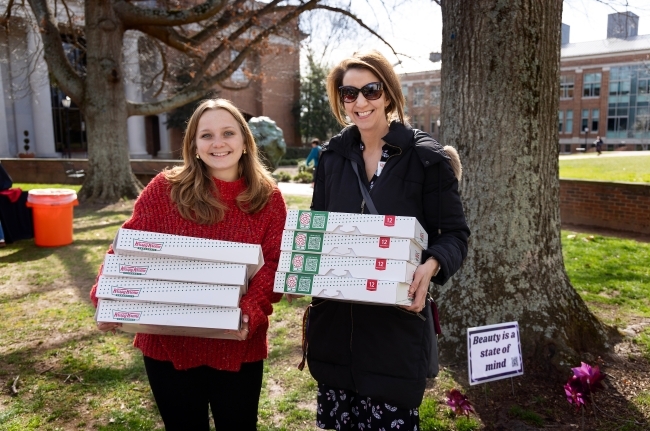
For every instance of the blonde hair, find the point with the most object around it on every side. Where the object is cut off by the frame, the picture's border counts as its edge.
(382, 69)
(192, 187)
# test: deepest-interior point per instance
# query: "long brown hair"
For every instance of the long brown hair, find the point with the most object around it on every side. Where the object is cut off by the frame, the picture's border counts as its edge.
(192, 187)
(382, 69)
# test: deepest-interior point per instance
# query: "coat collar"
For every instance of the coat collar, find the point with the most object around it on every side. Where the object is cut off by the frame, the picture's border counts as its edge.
(346, 142)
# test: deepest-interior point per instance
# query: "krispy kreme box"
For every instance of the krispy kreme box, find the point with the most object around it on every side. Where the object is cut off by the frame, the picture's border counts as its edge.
(161, 268)
(343, 288)
(169, 319)
(153, 244)
(383, 247)
(168, 292)
(357, 224)
(343, 266)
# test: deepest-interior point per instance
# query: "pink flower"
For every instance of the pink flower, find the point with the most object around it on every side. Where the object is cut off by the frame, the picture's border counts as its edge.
(589, 376)
(459, 403)
(574, 391)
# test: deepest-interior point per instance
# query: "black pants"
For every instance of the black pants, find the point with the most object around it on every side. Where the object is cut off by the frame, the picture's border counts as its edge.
(183, 396)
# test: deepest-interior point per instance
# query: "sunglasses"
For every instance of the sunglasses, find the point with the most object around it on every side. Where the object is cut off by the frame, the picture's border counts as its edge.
(372, 91)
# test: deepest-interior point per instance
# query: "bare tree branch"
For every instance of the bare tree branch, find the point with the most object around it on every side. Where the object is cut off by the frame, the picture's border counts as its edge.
(133, 16)
(235, 35)
(358, 21)
(7, 15)
(198, 89)
(59, 66)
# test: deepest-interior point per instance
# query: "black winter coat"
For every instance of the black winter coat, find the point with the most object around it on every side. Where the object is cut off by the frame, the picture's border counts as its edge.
(381, 351)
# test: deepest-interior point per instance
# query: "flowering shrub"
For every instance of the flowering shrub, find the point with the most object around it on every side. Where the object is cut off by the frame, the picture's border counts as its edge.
(585, 381)
(459, 403)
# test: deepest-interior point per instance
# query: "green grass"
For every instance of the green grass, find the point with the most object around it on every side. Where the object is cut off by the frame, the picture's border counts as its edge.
(627, 169)
(528, 416)
(31, 186)
(609, 271)
(73, 377)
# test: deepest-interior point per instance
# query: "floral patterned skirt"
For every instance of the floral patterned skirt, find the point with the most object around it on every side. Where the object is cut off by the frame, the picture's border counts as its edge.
(343, 410)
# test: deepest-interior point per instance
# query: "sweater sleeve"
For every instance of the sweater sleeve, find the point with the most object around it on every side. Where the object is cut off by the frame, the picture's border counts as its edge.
(145, 212)
(448, 230)
(256, 303)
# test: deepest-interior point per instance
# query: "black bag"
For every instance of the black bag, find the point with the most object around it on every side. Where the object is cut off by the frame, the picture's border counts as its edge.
(5, 180)
(430, 310)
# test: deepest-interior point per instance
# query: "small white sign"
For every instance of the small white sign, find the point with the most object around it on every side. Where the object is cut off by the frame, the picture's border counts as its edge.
(494, 352)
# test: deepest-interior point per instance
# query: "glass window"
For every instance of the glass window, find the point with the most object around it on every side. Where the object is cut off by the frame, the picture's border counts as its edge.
(591, 85)
(585, 120)
(434, 96)
(566, 87)
(569, 122)
(405, 91)
(433, 124)
(644, 86)
(595, 116)
(418, 96)
(416, 125)
(560, 121)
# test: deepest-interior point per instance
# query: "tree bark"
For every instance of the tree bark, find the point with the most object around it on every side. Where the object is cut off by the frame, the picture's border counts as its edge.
(500, 74)
(109, 176)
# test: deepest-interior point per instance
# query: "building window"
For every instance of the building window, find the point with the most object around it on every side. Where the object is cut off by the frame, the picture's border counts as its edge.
(585, 120)
(434, 96)
(418, 96)
(591, 85)
(569, 122)
(566, 87)
(628, 104)
(405, 91)
(433, 124)
(560, 121)
(238, 75)
(595, 116)
(415, 122)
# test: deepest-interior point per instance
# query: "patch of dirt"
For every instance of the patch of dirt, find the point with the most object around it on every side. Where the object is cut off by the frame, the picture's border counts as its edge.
(617, 407)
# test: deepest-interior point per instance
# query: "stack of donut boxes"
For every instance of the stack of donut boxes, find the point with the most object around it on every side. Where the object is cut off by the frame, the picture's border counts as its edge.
(175, 285)
(351, 257)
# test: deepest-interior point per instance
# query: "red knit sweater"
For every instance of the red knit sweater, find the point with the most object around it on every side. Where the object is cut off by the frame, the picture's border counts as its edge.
(154, 211)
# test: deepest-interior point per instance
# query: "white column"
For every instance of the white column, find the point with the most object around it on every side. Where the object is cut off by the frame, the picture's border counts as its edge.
(165, 146)
(4, 135)
(19, 83)
(43, 139)
(135, 124)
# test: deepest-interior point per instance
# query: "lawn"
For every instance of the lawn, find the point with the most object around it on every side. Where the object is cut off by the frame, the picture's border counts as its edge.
(628, 169)
(69, 376)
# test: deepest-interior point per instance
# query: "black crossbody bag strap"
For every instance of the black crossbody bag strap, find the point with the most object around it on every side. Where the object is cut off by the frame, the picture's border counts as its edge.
(364, 191)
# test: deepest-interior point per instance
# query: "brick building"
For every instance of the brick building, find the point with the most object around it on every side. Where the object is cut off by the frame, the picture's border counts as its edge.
(422, 92)
(604, 90)
(33, 109)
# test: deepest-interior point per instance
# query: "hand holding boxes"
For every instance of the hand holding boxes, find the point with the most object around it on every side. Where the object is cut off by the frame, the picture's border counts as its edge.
(175, 285)
(352, 257)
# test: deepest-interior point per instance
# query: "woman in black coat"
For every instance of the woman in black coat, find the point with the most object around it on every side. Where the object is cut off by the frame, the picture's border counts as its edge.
(370, 361)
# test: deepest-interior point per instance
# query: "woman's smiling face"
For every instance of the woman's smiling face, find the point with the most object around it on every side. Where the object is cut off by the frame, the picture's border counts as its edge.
(220, 143)
(366, 114)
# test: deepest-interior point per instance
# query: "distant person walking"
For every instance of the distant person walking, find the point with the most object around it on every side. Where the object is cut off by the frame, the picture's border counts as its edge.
(313, 156)
(599, 145)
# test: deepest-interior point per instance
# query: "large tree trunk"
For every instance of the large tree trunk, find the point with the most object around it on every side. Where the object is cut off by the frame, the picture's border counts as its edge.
(109, 170)
(500, 74)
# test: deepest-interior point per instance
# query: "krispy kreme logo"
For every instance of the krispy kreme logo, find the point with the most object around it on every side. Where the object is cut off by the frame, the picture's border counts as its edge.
(133, 270)
(126, 315)
(125, 292)
(147, 245)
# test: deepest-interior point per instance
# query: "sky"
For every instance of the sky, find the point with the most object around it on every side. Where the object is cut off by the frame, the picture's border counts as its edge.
(414, 28)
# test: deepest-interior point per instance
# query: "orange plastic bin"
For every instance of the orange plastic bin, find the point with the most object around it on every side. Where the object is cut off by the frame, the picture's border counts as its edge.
(52, 211)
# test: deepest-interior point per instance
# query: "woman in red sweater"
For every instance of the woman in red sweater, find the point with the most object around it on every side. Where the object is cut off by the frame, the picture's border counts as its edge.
(221, 192)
